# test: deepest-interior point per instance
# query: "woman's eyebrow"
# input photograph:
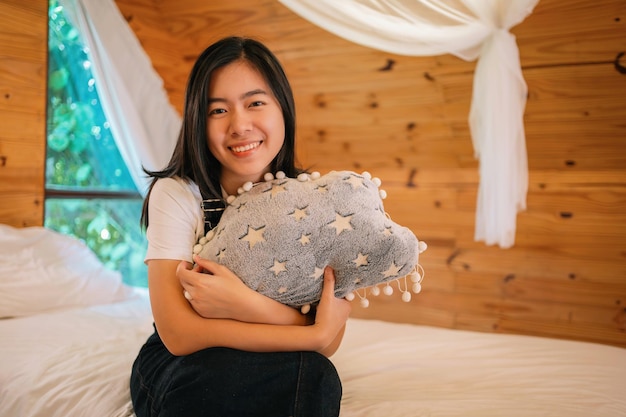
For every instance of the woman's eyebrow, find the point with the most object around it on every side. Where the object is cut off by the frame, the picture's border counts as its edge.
(253, 93)
(245, 95)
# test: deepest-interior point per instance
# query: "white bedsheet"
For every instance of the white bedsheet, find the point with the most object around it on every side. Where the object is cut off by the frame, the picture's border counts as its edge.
(76, 362)
(72, 363)
(404, 370)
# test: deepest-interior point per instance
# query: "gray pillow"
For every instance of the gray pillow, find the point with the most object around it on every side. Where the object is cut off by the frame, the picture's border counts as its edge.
(280, 234)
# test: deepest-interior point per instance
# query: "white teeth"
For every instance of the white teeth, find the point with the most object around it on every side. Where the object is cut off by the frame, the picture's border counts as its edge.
(245, 148)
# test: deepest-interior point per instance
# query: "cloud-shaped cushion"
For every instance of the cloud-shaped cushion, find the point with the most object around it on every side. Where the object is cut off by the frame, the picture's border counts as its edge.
(279, 235)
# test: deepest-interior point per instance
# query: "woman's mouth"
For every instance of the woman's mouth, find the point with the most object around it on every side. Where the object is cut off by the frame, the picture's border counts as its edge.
(245, 148)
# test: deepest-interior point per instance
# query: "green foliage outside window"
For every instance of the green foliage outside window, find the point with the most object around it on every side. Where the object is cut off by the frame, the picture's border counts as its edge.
(90, 193)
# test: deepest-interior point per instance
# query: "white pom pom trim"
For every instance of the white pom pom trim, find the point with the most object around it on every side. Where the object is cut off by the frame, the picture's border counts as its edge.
(387, 290)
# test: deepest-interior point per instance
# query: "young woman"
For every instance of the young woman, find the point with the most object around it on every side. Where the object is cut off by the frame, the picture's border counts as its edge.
(220, 348)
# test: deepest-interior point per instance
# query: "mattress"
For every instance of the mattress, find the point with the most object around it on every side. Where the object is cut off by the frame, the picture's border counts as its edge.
(76, 362)
(391, 369)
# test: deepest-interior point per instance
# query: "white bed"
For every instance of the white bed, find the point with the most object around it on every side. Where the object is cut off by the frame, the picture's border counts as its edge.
(68, 337)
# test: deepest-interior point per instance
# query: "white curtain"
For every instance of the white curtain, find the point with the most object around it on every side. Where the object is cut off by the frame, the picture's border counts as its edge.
(469, 29)
(143, 122)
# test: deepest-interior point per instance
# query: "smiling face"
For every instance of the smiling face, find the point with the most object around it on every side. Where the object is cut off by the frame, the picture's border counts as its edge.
(245, 125)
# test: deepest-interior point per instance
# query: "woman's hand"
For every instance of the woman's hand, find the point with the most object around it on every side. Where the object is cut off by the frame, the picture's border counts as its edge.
(332, 314)
(214, 291)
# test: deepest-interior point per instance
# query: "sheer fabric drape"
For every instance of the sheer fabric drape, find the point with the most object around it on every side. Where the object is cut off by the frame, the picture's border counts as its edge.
(468, 29)
(143, 122)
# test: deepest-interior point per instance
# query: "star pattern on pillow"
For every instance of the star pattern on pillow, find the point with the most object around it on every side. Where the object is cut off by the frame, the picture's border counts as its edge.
(392, 271)
(304, 239)
(254, 236)
(275, 189)
(299, 213)
(361, 260)
(317, 273)
(278, 267)
(341, 223)
(355, 181)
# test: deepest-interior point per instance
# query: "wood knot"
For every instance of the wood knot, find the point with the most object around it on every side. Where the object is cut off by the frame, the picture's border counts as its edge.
(388, 66)
(319, 101)
(453, 256)
(620, 319)
(618, 66)
(411, 182)
(509, 277)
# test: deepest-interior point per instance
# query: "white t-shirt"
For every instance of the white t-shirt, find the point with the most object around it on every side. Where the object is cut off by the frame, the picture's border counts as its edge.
(175, 219)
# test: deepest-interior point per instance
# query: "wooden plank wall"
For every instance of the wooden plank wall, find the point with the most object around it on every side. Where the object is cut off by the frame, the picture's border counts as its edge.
(23, 68)
(566, 275)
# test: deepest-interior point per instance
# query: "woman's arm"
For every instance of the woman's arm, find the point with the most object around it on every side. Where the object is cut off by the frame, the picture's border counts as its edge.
(216, 292)
(183, 331)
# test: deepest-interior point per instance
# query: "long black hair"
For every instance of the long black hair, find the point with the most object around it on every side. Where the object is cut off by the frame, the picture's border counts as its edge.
(192, 160)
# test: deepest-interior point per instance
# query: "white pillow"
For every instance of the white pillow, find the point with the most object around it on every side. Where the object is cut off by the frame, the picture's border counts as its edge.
(42, 270)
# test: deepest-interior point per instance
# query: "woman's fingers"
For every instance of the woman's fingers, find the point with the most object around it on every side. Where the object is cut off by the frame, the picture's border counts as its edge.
(328, 289)
(341, 306)
(183, 276)
(207, 266)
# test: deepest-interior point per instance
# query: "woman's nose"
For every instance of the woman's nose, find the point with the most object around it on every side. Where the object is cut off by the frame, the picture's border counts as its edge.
(240, 122)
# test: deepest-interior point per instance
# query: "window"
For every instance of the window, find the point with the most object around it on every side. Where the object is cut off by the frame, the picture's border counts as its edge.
(89, 191)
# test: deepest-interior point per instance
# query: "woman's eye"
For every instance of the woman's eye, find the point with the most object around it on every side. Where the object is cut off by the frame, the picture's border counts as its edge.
(256, 103)
(217, 111)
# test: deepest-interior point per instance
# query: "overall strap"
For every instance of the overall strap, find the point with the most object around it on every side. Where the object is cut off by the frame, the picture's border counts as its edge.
(212, 209)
